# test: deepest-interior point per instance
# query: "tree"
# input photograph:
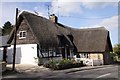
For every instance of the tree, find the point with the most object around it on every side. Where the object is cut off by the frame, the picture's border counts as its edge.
(7, 28)
(116, 50)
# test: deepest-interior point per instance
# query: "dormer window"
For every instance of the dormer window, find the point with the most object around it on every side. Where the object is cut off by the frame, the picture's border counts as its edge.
(22, 34)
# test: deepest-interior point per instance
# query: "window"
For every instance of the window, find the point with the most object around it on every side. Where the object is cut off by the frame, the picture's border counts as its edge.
(78, 56)
(50, 53)
(84, 55)
(22, 34)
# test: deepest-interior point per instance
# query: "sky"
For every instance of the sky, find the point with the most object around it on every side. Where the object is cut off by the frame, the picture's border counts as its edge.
(76, 14)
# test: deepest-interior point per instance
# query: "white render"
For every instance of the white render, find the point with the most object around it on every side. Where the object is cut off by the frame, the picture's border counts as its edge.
(88, 61)
(1, 54)
(25, 54)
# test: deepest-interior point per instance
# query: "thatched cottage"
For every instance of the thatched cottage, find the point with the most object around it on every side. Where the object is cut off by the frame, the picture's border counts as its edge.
(46, 38)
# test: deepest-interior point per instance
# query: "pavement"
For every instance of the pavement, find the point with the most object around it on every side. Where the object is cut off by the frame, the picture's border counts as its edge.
(27, 71)
(26, 68)
(86, 68)
(35, 68)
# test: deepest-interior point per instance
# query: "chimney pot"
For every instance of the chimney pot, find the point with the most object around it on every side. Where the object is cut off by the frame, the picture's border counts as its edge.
(53, 18)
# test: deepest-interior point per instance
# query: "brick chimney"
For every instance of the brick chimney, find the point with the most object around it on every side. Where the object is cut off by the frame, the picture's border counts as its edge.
(53, 18)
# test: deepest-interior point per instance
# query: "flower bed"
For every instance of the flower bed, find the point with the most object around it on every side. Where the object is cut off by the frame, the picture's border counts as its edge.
(62, 64)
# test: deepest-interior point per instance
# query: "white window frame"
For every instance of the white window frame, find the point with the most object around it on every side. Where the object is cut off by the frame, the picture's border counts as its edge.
(84, 55)
(21, 32)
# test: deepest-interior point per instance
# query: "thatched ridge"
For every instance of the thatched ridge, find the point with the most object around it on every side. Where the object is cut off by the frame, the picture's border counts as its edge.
(48, 35)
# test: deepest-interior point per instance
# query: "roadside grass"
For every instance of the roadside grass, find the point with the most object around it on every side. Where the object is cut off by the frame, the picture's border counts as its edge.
(9, 72)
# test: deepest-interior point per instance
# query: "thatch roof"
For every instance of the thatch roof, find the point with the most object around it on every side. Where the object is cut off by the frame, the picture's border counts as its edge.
(48, 33)
(91, 40)
(45, 30)
(88, 40)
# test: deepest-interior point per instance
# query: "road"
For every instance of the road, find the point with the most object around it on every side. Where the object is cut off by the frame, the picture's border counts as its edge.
(104, 72)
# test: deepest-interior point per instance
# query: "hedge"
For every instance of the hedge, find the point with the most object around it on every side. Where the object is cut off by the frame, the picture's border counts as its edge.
(62, 64)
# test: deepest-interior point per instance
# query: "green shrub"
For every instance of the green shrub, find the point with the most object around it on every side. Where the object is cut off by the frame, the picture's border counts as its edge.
(62, 64)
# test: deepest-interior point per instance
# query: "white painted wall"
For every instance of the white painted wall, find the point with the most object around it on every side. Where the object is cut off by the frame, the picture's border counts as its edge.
(25, 54)
(1, 54)
(93, 62)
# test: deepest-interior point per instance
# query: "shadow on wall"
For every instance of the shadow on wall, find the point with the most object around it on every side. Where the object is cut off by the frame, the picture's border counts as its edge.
(1, 54)
(10, 55)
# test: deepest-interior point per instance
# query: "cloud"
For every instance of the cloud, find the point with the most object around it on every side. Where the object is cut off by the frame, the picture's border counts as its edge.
(88, 0)
(65, 8)
(26, 0)
(110, 24)
(35, 12)
(7, 13)
(91, 5)
(0, 14)
(41, 11)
